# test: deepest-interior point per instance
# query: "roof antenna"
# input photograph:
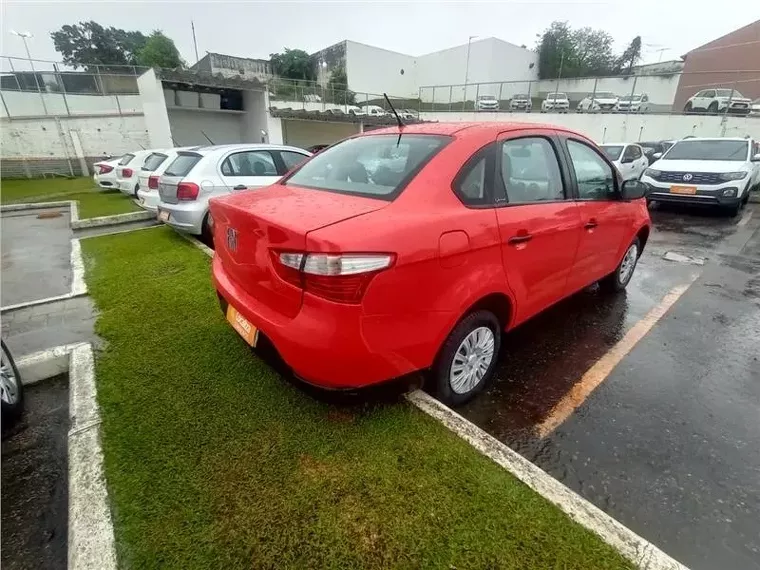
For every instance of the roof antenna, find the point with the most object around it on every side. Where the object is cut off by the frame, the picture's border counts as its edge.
(208, 139)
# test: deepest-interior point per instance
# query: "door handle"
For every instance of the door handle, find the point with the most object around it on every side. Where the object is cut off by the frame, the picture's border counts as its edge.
(591, 224)
(519, 238)
(240, 187)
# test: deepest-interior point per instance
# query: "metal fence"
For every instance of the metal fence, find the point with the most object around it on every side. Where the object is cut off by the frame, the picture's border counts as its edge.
(665, 92)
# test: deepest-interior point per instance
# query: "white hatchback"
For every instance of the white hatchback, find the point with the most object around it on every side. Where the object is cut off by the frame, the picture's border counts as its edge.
(127, 171)
(628, 158)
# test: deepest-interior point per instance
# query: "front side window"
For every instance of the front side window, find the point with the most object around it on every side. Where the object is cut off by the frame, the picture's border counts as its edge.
(249, 163)
(709, 150)
(596, 180)
(378, 166)
(530, 171)
(612, 150)
(729, 93)
(635, 152)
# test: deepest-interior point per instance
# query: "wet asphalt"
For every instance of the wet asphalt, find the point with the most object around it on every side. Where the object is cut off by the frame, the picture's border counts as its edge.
(35, 481)
(669, 443)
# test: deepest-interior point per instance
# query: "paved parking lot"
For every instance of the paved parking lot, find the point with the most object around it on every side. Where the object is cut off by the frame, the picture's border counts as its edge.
(667, 441)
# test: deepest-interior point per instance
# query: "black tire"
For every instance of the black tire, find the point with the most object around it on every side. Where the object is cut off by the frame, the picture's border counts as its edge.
(688, 108)
(713, 108)
(733, 211)
(442, 367)
(615, 281)
(207, 235)
(137, 187)
(11, 411)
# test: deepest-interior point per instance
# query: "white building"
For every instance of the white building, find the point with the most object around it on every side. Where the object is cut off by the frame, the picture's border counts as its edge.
(375, 70)
(231, 66)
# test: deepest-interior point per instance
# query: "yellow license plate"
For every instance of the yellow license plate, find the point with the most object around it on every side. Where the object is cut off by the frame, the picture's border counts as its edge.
(245, 329)
(163, 216)
(683, 189)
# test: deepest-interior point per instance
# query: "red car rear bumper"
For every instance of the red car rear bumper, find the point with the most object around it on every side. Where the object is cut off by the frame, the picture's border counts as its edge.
(330, 346)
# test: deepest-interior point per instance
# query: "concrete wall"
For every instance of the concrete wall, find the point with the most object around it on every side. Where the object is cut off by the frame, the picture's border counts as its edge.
(254, 120)
(274, 130)
(616, 128)
(30, 104)
(154, 107)
(187, 127)
(377, 71)
(307, 133)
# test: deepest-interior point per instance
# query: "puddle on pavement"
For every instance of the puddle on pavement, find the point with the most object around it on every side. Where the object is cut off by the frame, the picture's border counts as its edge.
(35, 481)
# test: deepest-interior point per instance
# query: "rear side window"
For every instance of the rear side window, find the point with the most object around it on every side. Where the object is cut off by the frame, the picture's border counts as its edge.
(530, 171)
(183, 164)
(153, 161)
(249, 163)
(378, 166)
(126, 159)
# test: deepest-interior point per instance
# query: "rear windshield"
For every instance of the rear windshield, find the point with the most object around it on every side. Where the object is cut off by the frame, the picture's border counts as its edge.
(377, 166)
(604, 95)
(126, 159)
(612, 151)
(709, 150)
(153, 161)
(183, 164)
(557, 96)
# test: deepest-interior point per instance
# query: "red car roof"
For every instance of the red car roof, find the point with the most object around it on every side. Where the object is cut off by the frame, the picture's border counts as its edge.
(470, 129)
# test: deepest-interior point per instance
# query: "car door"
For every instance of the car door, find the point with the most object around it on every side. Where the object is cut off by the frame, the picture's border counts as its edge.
(604, 216)
(246, 169)
(705, 98)
(539, 223)
(628, 163)
(640, 160)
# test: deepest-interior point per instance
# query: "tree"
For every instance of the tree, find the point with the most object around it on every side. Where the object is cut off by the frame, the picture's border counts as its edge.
(630, 57)
(292, 64)
(90, 43)
(554, 47)
(593, 52)
(338, 88)
(159, 51)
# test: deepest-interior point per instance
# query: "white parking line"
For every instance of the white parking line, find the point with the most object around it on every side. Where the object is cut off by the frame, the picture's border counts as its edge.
(745, 218)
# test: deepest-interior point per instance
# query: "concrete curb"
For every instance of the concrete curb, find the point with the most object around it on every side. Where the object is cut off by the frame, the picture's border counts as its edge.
(200, 245)
(44, 364)
(111, 220)
(78, 285)
(641, 552)
(36, 206)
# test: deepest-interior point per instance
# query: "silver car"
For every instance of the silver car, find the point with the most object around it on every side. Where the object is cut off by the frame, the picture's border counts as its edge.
(197, 175)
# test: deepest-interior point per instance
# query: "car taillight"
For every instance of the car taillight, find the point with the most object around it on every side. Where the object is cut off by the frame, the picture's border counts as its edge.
(105, 168)
(153, 183)
(126, 173)
(187, 191)
(342, 278)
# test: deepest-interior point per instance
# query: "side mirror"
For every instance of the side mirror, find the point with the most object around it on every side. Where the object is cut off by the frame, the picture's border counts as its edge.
(634, 189)
(657, 155)
(756, 158)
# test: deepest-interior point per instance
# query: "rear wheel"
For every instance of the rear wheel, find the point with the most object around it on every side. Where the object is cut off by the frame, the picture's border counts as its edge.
(137, 188)
(207, 235)
(713, 108)
(688, 108)
(466, 362)
(11, 389)
(619, 279)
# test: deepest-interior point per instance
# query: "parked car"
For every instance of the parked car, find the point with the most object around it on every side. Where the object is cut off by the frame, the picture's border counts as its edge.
(127, 169)
(314, 149)
(311, 266)
(155, 165)
(755, 110)
(486, 103)
(409, 114)
(603, 101)
(654, 150)
(194, 176)
(717, 101)
(557, 102)
(374, 110)
(712, 171)
(628, 158)
(11, 387)
(355, 110)
(633, 104)
(105, 173)
(521, 102)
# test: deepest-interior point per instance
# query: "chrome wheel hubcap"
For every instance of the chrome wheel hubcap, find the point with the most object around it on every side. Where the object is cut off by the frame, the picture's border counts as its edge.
(628, 264)
(471, 360)
(8, 386)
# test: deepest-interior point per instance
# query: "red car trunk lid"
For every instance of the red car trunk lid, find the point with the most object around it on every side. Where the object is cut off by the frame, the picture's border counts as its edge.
(250, 225)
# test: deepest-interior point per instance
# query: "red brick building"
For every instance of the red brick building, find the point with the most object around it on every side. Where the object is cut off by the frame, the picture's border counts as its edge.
(730, 61)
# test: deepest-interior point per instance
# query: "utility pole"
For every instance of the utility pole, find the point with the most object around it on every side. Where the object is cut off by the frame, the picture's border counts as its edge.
(24, 36)
(467, 70)
(195, 42)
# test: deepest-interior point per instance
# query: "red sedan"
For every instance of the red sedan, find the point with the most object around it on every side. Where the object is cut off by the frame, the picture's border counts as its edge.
(415, 248)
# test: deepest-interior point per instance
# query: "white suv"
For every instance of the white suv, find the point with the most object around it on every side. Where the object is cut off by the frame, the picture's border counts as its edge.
(487, 103)
(633, 104)
(603, 101)
(717, 100)
(557, 102)
(194, 176)
(713, 171)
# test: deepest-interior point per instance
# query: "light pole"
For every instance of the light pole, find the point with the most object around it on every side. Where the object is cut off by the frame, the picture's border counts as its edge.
(24, 36)
(467, 70)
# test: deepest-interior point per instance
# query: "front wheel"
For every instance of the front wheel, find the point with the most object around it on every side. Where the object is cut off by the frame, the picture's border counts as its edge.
(619, 279)
(466, 362)
(688, 108)
(11, 389)
(713, 108)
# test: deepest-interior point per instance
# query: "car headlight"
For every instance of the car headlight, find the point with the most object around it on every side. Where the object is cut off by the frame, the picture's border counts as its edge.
(652, 173)
(729, 192)
(733, 175)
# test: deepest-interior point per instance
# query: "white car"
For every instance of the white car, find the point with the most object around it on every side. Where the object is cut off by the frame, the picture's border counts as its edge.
(628, 158)
(105, 173)
(153, 167)
(195, 176)
(355, 110)
(521, 102)
(603, 101)
(486, 103)
(127, 171)
(755, 110)
(712, 171)
(373, 111)
(717, 101)
(557, 102)
(633, 104)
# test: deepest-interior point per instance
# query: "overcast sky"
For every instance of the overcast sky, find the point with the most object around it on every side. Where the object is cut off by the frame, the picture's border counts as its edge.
(256, 29)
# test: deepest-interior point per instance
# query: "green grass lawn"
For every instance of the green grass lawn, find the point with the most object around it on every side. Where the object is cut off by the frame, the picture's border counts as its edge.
(93, 202)
(215, 461)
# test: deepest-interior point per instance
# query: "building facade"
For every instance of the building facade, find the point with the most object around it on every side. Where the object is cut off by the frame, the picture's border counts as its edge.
(231, 66)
